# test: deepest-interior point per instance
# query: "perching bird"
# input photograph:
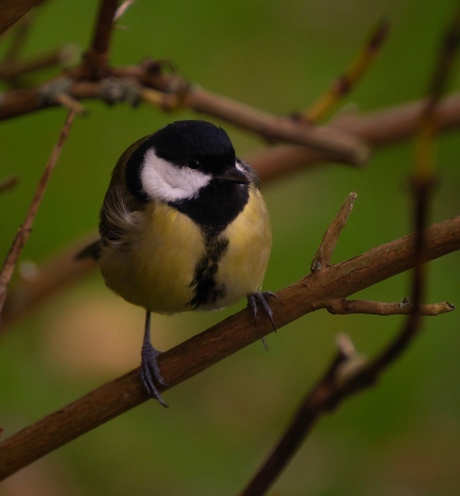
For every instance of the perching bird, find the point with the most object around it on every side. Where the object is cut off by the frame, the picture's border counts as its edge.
(183, 227)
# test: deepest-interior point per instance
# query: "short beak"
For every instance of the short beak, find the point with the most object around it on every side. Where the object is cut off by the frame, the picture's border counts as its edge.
(233, 175)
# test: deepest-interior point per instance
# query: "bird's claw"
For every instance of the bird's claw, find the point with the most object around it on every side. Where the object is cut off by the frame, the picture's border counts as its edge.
(261, 298)
(150, 373)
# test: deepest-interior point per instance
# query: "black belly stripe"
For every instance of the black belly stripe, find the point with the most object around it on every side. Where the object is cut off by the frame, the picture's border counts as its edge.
(206, 291)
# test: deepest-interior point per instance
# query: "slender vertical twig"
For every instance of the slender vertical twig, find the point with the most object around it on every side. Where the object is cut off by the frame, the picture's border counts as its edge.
(96, 57)
(25, 229)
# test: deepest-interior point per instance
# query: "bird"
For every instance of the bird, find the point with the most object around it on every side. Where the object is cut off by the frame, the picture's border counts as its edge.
(183, 227)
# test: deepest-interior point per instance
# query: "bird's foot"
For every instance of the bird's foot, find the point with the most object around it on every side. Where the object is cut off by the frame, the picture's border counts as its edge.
(261, 298)
(151, 374)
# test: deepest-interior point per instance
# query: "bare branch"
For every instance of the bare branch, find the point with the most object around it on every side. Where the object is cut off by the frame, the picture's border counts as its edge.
(338, 145)
(380, 128)
(326, 249)
(11, 70)
(200, 352)
(70, 103)
(25, 229)
(347, 307)
(97, 56)
(12, 10)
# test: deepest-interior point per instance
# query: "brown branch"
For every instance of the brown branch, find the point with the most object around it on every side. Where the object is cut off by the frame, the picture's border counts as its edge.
(193, 356)
(25, 229)
(11, 70)
(336, 144)
(326, 249)
(379, 128)
(95, 60)
(12, 10)
(347, 307)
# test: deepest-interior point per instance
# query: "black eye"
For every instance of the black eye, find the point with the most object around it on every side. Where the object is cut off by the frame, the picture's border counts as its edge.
(193, 163)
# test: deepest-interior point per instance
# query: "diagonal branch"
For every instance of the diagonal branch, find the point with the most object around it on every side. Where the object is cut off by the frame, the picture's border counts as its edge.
(334, 143)
(378, 128)
(193, 356)
(353, 73)
(11, 11)
(338, 145)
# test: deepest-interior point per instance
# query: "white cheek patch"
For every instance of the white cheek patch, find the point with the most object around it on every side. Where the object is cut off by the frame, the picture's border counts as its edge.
(165, 181)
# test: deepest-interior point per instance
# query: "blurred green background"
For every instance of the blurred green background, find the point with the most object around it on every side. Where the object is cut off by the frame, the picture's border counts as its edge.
(400, 438)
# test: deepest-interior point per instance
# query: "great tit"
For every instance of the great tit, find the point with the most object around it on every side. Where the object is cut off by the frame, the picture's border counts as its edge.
(183, 226)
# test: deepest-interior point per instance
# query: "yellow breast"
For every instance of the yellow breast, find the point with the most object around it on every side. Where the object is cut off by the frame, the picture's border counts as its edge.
(155, 268)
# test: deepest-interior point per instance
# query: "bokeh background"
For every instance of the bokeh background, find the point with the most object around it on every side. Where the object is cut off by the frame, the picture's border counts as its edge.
(403, 436)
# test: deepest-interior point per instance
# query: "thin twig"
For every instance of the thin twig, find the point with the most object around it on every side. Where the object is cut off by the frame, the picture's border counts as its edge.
(352, 75)
(347, 307)
(26, 227)
(70, 103)
(11, 70)
(122, 9)
(326, 249)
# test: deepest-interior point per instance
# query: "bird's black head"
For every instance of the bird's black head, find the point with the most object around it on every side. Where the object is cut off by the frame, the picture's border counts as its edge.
(195, 144)
(191, 165)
